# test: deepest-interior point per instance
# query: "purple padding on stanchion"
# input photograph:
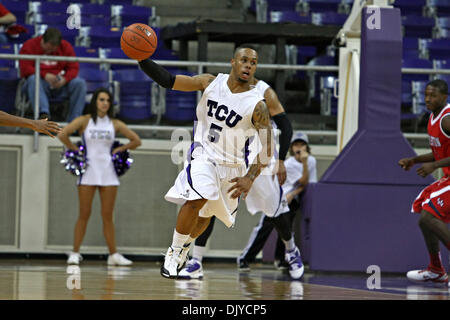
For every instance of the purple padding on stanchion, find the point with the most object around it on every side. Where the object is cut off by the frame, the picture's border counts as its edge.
(359, 213)
(371, 156)
(350, 227)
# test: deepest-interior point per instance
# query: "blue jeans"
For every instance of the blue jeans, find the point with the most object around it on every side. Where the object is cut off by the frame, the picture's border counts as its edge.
(75, 90)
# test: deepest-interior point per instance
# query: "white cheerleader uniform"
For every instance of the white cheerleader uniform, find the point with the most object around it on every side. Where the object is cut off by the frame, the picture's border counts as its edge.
(221, 134)
(98, 139)
(266, 194)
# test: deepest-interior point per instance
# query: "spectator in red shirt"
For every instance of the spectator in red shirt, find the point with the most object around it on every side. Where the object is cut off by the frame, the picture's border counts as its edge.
(58, 78)
(6, 19)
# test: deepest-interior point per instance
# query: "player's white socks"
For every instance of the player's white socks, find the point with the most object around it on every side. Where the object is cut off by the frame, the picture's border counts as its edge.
(197, 253)
(290, 244)
(179, 239)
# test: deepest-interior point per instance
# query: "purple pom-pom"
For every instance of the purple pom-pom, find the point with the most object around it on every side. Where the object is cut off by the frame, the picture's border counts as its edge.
(121, 160)
(74, 161)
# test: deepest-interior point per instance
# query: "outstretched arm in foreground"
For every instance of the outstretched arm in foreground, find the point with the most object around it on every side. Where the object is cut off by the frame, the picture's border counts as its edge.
(42, 126)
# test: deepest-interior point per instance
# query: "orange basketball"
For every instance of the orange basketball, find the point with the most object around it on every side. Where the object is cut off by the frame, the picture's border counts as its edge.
(138, 41)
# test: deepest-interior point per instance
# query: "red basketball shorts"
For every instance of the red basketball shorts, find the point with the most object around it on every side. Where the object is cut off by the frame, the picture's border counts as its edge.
(435, 199)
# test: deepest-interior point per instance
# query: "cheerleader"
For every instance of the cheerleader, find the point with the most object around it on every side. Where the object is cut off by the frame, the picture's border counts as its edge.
(98, 129)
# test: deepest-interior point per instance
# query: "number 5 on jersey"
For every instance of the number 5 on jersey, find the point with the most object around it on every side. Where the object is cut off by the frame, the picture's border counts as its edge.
(214, 133)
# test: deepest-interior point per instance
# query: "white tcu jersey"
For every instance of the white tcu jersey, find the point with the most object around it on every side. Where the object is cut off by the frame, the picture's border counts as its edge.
(224, 121)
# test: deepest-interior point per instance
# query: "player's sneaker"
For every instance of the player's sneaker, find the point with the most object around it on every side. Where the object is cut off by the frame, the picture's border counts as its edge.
(184, 256)
(193, 270)
(296, 267)
(74, 258)
(427, 275)
(243, 265)
(171, 265)
(117, 259)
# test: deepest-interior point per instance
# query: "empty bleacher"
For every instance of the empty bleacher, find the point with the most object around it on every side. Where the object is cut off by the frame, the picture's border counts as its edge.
(426, 29)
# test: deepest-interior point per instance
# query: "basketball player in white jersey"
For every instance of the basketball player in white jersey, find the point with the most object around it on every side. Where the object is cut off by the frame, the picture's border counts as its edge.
(266, 195)
(98, 130)
(228, 114)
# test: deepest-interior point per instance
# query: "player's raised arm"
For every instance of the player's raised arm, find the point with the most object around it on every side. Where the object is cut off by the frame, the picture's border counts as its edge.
(176, 82)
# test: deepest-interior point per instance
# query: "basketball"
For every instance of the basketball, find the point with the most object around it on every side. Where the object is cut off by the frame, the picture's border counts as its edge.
(138, 41)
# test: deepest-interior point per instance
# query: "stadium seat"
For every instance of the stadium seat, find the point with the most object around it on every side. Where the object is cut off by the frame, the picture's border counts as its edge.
(113, 53)
(9, 81)
(43, 11)
(87, 53)
(124, 15)
(419, 27)
(99, 36)
(419, 64)
(318, 6)
(8, 49)
(180, 106)
(435, 49)
(315, 76)
(438, 8)
(418, 97)
(19, 8)
(289, 16)
(133, 89)
(329, 18)
(410, 7)
(328, 102)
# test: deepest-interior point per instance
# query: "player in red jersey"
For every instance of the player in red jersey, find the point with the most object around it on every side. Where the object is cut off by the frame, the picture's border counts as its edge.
(433, 203)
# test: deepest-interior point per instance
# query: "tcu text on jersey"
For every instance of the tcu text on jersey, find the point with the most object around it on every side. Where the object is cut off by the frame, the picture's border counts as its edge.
(222, 113)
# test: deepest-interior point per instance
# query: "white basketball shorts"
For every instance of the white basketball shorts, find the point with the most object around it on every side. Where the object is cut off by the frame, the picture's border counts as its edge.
(203, 178)
(266, 195)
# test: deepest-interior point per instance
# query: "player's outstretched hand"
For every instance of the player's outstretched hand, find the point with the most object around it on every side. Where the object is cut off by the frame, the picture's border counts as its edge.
(241, 187)
(45, 126)
(406, 163)
(426, 169)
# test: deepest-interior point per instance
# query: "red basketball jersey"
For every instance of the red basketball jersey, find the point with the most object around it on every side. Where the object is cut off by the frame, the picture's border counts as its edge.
(439, 141)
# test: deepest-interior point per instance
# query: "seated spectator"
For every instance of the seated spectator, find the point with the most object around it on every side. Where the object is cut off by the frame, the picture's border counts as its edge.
(6, 19)
(58, 78)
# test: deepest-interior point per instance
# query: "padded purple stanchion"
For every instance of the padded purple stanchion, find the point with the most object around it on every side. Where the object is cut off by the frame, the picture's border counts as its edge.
(359, 213)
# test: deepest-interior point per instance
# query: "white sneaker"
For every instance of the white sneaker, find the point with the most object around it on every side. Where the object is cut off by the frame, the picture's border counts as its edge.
(74, 258)
(184, 256)
(193, 270)
(427, 275)
(118, 260)
(172, 263)
(294, 260)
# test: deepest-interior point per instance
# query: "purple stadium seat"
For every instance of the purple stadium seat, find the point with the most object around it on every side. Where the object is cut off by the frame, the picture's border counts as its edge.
(9, 80)
(115, 53)
(19, 8)
(329, 18)
(180, 106)
(418, 64)
(135, 94)
(317, 6)
(438, 49)
(104, 36)
(442, 7)
(281, 5)
(419, 27)
(130, 14)
(9, 49)
(94, 78)
(98, 10)
(410, 7)
(289, 16)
